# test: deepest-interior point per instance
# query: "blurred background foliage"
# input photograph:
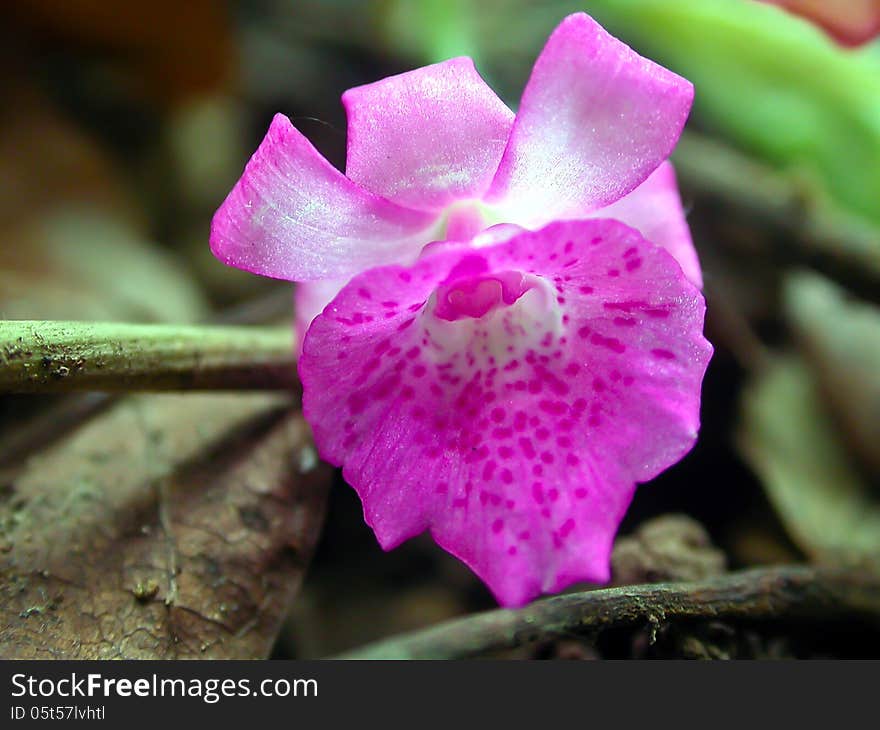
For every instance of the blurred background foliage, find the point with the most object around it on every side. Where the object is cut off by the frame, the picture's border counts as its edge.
(125, 125)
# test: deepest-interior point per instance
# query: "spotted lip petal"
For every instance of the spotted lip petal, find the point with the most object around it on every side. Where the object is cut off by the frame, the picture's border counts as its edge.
(293, 216)
(426, 138)
(654, 209)
(522, 465)
(595, 120)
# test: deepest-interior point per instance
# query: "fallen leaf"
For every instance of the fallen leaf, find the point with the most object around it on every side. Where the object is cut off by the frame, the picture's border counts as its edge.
(167, 527)
(73, 242)
(840, 337)
(792, 444)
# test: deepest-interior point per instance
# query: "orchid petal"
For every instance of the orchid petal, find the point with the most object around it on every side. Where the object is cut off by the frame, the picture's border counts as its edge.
(654, 209)
(516, 442)
(293, 216)
(595, 120)
(428, 137)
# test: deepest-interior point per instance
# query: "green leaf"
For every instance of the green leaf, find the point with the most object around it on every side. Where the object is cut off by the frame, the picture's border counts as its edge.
(840, 337)
(789, 440)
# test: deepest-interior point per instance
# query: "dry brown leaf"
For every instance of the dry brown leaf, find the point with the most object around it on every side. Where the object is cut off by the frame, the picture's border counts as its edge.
(168, 527)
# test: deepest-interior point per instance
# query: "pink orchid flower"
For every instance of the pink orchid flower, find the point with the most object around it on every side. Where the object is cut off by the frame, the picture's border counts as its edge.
(434, 154)
(505, 389)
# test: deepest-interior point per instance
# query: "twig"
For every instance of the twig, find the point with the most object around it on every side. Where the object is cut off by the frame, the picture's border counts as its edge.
(762, 593)
(79, 356)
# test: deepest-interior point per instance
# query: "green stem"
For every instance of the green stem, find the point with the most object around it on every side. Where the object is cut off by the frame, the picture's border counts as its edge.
(42, 357)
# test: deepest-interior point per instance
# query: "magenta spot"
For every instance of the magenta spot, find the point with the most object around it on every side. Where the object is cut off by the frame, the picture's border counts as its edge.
(663, 354)
(594, 420)
(537, 470)
(524, 535)
(569, 246)
(572, 369)
(545, 513)
(511, 550)
(547, 457)
(584, 332)
(520, 420)
(567, 527)
(497, 526)
(564, 442)
(542, 434)
(572, 460)
(553, 494)
(364, 293)
(632, 251)
(556, 408)
(418, 371)
(405, 276)
(538, 492)
(585, 289)
(405, 324)
(580, 493)
(612, 343)
(612, 273)
(357, 402)
(407, 393)
(498, 415)
(614, 375)
(488, 470)
(579, 405)
(633, 264)
(625, 321)
(506, 476)
(527, 448)
(505, 452)
(441, 488)
(598, 385)
(413, 352)
(628, 380)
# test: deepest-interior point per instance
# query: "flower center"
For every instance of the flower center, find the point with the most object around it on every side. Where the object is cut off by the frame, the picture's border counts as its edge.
(480, 318)
(464, 219)
(476, 296)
